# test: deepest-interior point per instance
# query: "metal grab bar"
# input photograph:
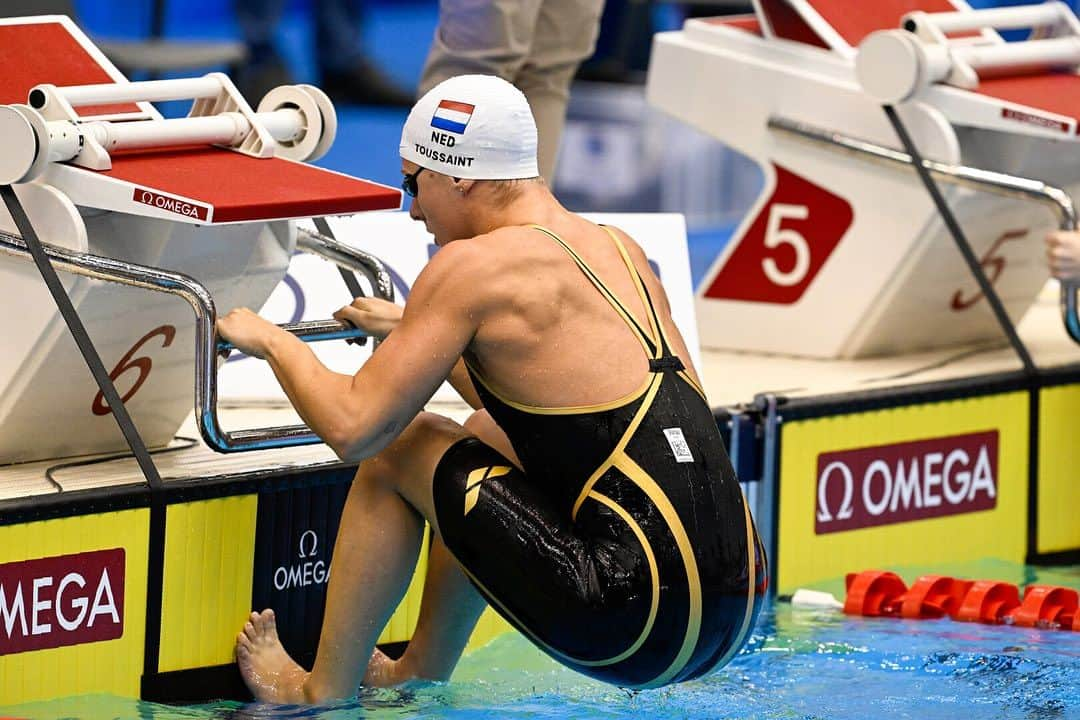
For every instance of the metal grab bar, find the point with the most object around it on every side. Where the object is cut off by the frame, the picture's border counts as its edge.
(308, 331)
(1002, 184)
(207, 343)
(348, 257)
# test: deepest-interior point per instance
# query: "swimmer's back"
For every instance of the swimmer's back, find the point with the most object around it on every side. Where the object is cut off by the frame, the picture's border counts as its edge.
(548, 339)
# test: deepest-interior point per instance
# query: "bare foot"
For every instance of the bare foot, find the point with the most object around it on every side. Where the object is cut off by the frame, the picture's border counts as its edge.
(270, 674)
(382, 671)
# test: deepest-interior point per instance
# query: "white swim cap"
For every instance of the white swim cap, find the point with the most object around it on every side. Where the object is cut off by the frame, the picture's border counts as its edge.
(478, 127)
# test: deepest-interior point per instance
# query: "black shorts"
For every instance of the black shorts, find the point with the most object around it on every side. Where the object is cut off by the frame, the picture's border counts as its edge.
(608, 594)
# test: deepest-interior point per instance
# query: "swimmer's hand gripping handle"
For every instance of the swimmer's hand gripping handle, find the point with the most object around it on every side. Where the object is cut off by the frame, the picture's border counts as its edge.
(308, 331)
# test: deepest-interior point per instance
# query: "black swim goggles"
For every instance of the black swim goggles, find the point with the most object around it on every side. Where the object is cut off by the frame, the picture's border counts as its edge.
(408, 183)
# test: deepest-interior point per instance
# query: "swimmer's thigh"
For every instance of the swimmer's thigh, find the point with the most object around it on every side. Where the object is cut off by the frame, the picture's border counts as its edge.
(514, 546)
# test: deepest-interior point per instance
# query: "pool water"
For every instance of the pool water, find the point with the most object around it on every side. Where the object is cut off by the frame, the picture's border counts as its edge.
(798, 664)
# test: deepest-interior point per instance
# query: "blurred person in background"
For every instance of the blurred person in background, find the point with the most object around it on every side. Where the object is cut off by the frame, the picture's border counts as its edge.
(535, 44)
(346, 74)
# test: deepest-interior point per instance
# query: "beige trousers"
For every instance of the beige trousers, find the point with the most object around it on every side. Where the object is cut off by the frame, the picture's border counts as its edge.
(535, 44)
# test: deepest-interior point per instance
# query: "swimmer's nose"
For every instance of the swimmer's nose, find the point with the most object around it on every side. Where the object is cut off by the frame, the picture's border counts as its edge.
(415, 212)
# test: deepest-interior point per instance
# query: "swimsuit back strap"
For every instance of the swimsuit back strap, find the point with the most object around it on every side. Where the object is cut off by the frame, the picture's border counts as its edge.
(643, 293)
(652, 348)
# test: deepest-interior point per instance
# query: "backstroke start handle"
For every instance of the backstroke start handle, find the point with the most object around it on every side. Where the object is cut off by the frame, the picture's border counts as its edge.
(308, 331)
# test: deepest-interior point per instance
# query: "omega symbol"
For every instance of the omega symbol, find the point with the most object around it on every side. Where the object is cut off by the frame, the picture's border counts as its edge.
(314, 544)
(849, 485)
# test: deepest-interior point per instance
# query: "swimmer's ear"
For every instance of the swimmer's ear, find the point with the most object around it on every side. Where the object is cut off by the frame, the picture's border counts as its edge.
(463, 185)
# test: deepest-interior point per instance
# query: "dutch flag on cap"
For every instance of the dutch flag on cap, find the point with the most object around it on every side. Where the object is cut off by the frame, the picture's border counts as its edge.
(452, 116)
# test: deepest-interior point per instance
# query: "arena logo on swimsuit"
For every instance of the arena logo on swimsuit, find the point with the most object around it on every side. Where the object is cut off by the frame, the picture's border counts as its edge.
(907, 481)
(60, 601)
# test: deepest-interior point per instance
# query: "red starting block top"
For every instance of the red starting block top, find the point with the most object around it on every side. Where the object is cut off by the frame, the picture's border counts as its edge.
(853, 21)
(838, 23)
(746, 23)
(232, 186)
(45, 50)
(1057, 93)
(239, 187)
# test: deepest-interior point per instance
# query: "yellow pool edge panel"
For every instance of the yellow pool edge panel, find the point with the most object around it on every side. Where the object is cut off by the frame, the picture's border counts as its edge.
(806, 558)
(112, 666)
(206, 592)
(1059, 469)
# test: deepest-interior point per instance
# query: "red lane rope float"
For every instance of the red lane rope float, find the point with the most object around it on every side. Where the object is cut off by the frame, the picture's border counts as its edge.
(934, 596)
(879, 593)
(988, 602)
(874, 593)
(1046, 606)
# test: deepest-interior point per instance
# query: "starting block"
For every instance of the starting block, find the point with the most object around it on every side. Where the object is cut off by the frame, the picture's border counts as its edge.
(201, 208)
(844, 254)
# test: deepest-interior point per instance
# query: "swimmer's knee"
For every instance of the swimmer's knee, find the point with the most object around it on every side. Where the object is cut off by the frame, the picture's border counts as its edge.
(428, 435)
(428, 426)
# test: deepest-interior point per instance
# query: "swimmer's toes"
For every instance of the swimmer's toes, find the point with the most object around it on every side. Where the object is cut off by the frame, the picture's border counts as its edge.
(268, 671)
(258, 621)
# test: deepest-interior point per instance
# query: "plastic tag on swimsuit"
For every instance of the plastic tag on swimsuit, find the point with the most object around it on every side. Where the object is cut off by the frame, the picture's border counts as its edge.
(678, 445)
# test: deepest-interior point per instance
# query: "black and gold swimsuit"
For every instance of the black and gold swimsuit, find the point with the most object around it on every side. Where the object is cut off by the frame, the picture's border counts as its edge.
(625, 550)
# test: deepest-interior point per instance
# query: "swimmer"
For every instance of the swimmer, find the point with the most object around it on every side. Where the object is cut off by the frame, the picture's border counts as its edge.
(589, 499)
(1063, 254)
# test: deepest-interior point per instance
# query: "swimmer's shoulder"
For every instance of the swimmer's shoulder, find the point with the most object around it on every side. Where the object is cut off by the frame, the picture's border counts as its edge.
(501, 254)
(505, 238)
(634, 250)
(469, 269)
(451, 271)
(506, 248)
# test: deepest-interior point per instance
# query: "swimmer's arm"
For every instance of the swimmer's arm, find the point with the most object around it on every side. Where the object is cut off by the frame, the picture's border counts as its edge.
(361, 415)
(379, 318)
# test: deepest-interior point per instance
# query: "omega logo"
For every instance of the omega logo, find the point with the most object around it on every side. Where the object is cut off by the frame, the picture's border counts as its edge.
(907, 481)
(307, 571)
(60, 601)
(314, 544)
(164, 202)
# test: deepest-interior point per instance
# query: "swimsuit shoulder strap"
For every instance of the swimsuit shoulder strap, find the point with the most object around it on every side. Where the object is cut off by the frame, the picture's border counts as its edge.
(664, 358)
(648, 341)
(657, 334)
